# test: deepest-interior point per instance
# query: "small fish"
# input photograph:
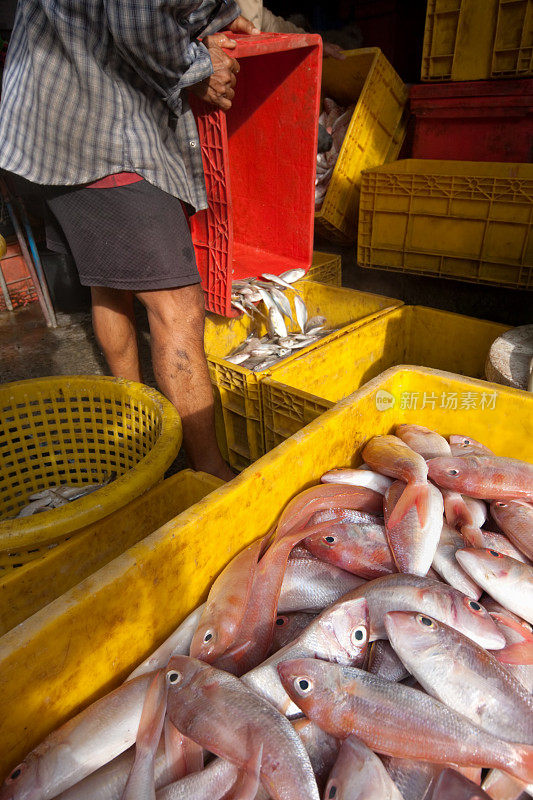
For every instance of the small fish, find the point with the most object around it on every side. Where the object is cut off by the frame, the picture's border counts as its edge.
(359, 774)
(384, 662)
(292, 275)
(311, 585)
(358, 477)
(396, 720)
(276, 325)
(413, 544)
(240, 307)
(515, 518)
(466, 446)
(445, 563)
(315, 322)
(278, 280)
(288, 627)
(451, 785)
(238, 358)
(322, 748)
(423, 441)
(507, 580)
(282, 302)
(485, 477)
(358, 548)
(301, 312)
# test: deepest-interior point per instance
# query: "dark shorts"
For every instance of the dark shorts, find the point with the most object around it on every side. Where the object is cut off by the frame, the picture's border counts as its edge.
(132, 237)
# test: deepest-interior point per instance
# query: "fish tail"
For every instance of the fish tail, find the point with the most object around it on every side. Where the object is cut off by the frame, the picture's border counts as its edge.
(472, 536)
(523, 766)
(153, 714)
(518, 653)
(414, 495)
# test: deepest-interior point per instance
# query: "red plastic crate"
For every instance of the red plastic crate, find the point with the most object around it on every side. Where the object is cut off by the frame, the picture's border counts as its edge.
(17, 277)
(260, 163)
(474, 120)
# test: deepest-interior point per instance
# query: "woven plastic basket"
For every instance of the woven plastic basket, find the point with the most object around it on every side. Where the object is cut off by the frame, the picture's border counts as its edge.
(77, 430)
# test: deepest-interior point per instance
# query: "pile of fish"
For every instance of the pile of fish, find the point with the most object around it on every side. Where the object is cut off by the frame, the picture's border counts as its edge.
(60, 495)
(258, 353)
(376, 645)
(336, 121)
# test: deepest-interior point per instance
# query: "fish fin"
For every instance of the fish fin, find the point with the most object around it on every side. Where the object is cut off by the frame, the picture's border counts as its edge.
(247, 784)
(518, 653)
(174, 754)
(414, 495)
(194, 756)
(523, 767)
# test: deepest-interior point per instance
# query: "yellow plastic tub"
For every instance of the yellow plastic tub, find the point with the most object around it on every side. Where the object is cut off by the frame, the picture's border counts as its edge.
(87, 641)
(375, 135)
(326, 268)
(302, 390)
(237, 389)
(470, 40)
(77, 430)
(466, 220)
(30, 587)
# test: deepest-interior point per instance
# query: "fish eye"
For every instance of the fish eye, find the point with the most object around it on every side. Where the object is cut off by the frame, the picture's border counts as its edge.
(330, 539)
(173, 676)
(495, 554)
(16, 773)
(527, 626)
(208, 636)
(281, 621)
(358, 635)
(452, 471)
(475, 606)
(303, 685)
(500, 504)
(332, 792)
(427, 621)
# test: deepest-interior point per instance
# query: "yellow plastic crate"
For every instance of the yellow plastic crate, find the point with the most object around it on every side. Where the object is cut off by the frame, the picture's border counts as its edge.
(307, 387)
(374, 137)
(326, 268)
(237, 389)
(466, 220)
(77, 429)
(86, 642)
(26, 589)
(469, 40)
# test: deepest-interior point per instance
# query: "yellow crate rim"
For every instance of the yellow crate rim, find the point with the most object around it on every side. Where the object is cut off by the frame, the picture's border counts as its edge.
(61, 522)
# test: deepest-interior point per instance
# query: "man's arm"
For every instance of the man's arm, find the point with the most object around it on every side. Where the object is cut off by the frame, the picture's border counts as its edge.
(157, 38)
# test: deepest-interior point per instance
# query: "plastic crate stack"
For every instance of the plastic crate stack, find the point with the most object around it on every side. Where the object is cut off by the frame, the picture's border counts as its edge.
(462, 207)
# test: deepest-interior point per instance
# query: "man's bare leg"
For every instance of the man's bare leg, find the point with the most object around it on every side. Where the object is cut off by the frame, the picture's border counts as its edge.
(114, 328)
(176, 318)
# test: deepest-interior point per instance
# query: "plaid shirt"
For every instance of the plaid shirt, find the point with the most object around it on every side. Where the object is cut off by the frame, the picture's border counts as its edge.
(95, 87)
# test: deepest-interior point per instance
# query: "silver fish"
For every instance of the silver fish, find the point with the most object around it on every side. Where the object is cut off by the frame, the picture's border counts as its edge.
(282, 302)
(293, 275)
(301, 312)
(276, 325)
(278, 280)
(359, 774)
(311, 585)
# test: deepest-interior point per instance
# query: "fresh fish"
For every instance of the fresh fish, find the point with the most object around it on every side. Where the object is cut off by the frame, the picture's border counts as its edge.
(445, 563)
(82, 745)
(293, 275)
(466, 446)
(239, 305)
(396, 720)
(178, 643)
(413, 544)
(401, 592)
(517, 634)
(423, 441)
(358, 548)
(358, 477)
(301, 312)
(515, 518)
(507, 580)
(280, 281)
(238, 358)
(276, 325)
(384, 662)
(358, 774)
(500, 786)
(486, 477)
(339, 634)
(288, 627)
(282, 302)
(451, 785)
(226, 604)
(322, 748)
(414, 779)
(466, 515)
(215, 782)
(462, 675)
(316, 322)
(392, 457)
(34, 507)
(348, 515)
(311, 585)
(218, 712)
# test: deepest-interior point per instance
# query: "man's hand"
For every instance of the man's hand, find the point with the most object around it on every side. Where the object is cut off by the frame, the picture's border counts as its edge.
(243, 25)
(218, 89)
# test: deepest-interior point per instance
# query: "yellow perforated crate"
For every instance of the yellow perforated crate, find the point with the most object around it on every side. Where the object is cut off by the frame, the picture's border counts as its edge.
(326, 268)
(374, 137)
(77, 430)
(26, 588)
(237, 389)
(87, 641)
(307, 387)
(469, 40)
(466, 220)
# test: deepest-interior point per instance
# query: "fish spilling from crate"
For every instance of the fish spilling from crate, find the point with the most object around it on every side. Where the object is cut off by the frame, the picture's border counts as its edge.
(57, 496)
(258, 353)
(377, 643)
(335, 120)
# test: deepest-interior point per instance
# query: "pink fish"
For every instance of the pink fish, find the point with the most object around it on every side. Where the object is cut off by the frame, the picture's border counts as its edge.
(361, 549)
(485, 477)
(515, 518)
(412, 543)
(423, 441)
(466, 446)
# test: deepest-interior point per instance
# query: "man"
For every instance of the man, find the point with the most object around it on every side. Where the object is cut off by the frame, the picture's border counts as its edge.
(94, 107)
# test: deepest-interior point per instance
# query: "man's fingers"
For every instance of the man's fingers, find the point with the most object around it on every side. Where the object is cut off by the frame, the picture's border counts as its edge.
(220, 40)
(243, 25)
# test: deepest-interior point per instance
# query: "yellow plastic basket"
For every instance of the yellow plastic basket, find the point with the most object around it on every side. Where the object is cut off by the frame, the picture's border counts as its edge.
(472, 40)
(87, 641)
(326, 269)
(77, 430)
(374, 137)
